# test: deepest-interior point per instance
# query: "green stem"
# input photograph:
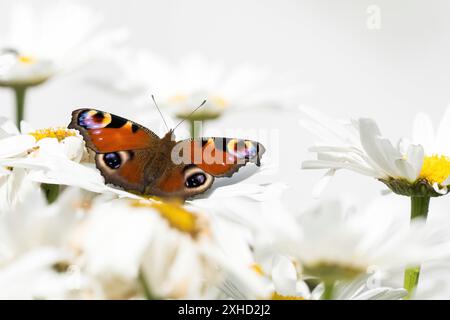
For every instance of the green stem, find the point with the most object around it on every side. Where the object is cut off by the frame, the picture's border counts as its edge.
(419, 208)
(411, 280)
(195, 132)
(328, 292)
(192, 128)
(146, 290)
(20, 92)
(51, 191)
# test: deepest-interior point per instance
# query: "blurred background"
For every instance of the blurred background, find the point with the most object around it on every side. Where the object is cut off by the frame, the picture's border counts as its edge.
(381, 59)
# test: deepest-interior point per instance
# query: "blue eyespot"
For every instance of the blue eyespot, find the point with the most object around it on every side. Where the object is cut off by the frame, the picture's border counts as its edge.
(112, 160)
(195, 180)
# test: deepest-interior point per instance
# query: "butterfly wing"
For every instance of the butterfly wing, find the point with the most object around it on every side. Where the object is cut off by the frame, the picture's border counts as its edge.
(123, 148)
(105, 132)
(219, 157)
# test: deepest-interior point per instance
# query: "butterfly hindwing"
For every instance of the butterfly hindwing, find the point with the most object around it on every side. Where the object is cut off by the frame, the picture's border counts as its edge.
(183, 181)
(105, 132)
(126, 169)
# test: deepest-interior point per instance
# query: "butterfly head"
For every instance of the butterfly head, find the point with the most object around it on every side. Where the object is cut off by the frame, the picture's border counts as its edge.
(169, 136)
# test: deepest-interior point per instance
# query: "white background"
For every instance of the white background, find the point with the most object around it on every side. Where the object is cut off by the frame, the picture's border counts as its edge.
(388, 74)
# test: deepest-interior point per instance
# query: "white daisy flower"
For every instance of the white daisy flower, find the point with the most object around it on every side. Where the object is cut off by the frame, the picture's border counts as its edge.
(420, 168)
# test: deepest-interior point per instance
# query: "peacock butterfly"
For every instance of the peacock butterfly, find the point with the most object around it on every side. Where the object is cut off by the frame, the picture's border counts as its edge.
(132, 157)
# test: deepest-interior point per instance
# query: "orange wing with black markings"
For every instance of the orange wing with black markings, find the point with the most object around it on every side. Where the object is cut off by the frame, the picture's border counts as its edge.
(183, 181)
(220, 157)
(105, 132)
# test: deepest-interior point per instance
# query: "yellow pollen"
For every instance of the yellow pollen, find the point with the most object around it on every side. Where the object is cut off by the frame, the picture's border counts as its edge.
(435, 169)
(277, 296)
(257, 268)
(58, 133)
(26, 59)
(174, 213)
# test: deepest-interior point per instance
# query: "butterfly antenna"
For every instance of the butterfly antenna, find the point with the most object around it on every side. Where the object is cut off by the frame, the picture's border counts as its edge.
(190, 114)
(160, 113)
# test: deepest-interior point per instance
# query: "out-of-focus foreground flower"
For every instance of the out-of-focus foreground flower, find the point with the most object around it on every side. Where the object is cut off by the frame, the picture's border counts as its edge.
(79, 248)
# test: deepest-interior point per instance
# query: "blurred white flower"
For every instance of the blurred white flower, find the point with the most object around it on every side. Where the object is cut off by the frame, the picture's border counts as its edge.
(358, 145)
(358, 290)
(179, 88)
(243, 277)
(288, 286)
(337, 242)
(37, 260)
(16, 69)
(280, 278)
(41, 42)
(149, 249)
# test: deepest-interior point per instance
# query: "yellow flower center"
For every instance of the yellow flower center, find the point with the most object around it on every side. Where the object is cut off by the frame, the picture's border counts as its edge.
(178, 217)
(26, 59)
(277, 296)
(58, 133)
(435, 169)
(219, 101)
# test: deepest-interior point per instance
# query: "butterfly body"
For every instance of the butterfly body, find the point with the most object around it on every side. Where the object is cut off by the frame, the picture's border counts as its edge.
(132, 157)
